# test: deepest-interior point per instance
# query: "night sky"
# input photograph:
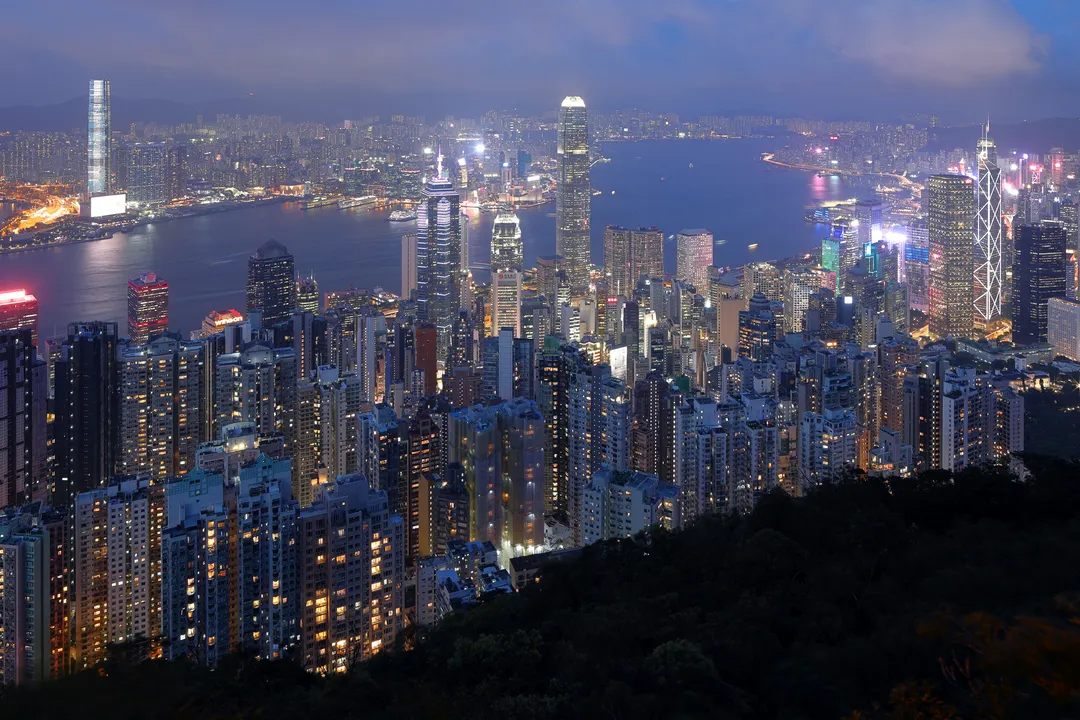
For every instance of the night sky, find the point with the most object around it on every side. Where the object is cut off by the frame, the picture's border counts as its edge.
(829, 58)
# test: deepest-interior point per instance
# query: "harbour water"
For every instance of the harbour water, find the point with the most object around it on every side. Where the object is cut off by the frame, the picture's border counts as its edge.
(727, 190)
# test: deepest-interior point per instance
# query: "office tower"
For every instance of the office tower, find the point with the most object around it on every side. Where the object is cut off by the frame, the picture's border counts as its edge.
(98, 141)
(757, 329)
(408, 266)
(351, 562)
(547, 277)
(763, 278)
(26, 572)
(162, 391)
(917, 265)
(271, 283)
(116, 583)
(618, 267)
(438, 258)
(368, 353)
(1038, 275)
(268, 605)
(695, 256)
(1063, 326)
(572, 206)
(827, 445)
(307, 295)
(257, 384)
(327, 408)
(23, 397)
(989, 269)
(146, 173)
(18, 310)
(148, 307)
(868, 219)
(177, 171)
(951, 219)
(623, 504)
(830, 255)
(646, 255)
(87, 410)
(799, 284)
(506, 245)
(506, 301)
(501, 451)
(508, 367)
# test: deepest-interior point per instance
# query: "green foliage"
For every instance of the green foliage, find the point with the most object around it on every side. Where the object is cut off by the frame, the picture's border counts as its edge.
(925, 598)
(1052, 424)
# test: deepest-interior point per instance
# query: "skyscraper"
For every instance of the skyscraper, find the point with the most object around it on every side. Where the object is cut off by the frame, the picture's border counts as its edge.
(506, 302)
(646, 255)
(1038, 275)
(87, 410)
(148, 307)
(695, 256)
(146, 173)
(799, 284)
(438, 258)
(19, 310)
(506, 246)
(952, 245)
(271, 283)
(307, 294)
(868, 217)
(408, 266)
(617, 264)
(989, 269)
(572, 206)
(23, 396)
(98, 139)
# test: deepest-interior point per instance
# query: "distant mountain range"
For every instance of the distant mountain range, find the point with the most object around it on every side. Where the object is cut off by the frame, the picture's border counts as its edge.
(71, 114)
(1036, 136)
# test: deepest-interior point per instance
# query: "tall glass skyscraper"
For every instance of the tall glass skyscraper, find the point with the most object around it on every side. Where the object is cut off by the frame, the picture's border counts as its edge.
(1038, 275)
(98, 131)
(952, 256)
(506, 246)
(271, 285)
(438, 258)
(574, 194)
(989, 269)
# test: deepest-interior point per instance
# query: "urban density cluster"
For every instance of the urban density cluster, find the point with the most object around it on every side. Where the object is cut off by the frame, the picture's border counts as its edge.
(317, 472)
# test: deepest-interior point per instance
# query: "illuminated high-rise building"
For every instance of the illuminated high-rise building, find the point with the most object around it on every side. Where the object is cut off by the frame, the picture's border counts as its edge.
(98, 141)
(757, 329)
(506, 302)
(307, 294)
(695, 256)
(868, 217)
(18, 311)
(763, 278)
(952, 250)
(147, 173)
(799, 284)
(506, 246)
(438, 258)
(1038, 275)
(351, 566)
(148, 307)
(572, 206)
(617, 261)
(271, 283)
(646, 254)
(989, 269)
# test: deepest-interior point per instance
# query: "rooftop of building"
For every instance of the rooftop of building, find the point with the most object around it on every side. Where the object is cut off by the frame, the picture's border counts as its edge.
(271, 249)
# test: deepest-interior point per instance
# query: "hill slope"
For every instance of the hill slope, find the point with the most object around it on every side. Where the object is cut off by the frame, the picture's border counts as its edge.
(816, 608)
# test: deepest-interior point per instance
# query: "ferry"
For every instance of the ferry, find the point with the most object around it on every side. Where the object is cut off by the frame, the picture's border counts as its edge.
(752, 247)
(317, 202)
(365, 201)
(402, 215)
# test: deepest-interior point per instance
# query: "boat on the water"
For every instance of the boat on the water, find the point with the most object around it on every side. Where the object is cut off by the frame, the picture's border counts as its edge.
(364, 201)
(402, 215)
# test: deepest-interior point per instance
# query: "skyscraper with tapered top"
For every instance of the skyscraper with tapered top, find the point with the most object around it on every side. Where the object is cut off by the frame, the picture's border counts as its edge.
(989, 269)
(438, 257)
(98, 131)
(574, 193)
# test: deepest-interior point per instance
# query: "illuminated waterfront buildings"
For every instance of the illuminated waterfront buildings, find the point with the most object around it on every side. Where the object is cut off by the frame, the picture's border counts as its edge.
(952, 244)
(989, 269)
(99, 140)
(271, 283)
(572, 206)
(148, 307)
(694, 250)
